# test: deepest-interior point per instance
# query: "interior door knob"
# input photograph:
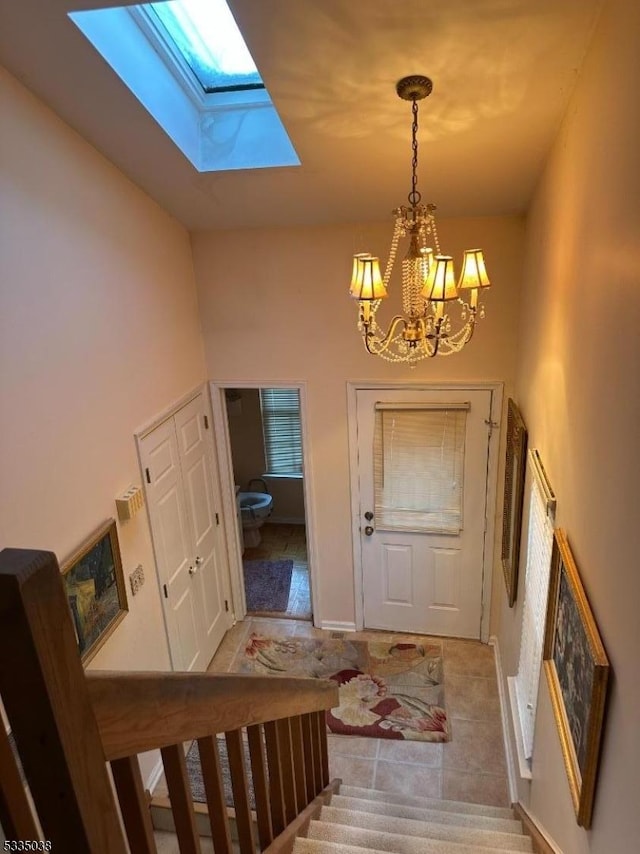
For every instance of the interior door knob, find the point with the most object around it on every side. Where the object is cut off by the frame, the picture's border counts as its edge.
(193, 570)
(368, 530)
(199, 560)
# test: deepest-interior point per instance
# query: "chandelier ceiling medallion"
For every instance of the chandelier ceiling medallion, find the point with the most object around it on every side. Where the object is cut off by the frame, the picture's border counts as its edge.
(429, 290)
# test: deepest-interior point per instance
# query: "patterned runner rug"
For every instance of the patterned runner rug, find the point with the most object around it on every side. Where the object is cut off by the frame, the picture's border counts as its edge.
(387, 690)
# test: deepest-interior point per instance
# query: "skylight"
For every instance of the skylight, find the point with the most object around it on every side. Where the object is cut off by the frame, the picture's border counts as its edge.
(210, 42)
(188, 65)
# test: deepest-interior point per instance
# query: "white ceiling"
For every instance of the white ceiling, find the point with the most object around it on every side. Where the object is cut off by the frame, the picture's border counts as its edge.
(502, 71)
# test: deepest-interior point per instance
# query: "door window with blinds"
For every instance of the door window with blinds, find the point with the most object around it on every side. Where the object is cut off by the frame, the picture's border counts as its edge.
(419, 466)
(282, 431)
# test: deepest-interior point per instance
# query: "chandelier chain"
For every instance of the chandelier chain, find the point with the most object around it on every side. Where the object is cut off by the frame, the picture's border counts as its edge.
(414, 195)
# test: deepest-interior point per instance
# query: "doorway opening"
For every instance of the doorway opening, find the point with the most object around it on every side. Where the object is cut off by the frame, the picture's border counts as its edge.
(265, 442)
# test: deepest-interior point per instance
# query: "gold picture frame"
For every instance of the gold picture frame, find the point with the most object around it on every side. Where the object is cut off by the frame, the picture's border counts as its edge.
(577, 671)
(514, 475)
(95, 588)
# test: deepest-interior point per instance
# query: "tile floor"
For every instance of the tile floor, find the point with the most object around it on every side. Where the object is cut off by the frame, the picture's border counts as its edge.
(470, 767)
(281, 542)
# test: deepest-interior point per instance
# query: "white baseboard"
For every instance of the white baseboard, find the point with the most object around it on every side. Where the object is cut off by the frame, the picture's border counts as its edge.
(286, 520)
(504, 714)
(337, 626)
(154, 776)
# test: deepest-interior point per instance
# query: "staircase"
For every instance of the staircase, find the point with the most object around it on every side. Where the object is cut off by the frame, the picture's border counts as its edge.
(359, 820)
(68, 725)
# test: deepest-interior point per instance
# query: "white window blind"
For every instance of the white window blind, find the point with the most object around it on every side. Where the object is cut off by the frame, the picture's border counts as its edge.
(418, 467)
(538, 566)
(282, 431)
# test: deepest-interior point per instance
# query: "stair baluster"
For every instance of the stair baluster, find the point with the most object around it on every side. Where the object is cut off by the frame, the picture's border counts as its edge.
(214, 789)
(240, 788)
(260, 785)
(175, 772)
(134, 805)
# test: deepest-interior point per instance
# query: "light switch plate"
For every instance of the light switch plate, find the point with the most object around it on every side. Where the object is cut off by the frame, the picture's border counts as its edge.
(136, 579)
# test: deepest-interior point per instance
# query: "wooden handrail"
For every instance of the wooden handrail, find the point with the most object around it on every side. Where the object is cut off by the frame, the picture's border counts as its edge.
(143, 711)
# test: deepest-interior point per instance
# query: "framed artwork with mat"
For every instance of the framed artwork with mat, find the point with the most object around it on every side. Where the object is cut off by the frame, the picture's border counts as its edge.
(95, 589)
(577, 670)
(514, 474)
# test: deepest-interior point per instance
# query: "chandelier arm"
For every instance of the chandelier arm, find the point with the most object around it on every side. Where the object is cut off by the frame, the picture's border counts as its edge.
(381, 344)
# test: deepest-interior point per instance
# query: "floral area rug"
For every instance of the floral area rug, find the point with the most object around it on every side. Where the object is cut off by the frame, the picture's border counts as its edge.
(387, 690)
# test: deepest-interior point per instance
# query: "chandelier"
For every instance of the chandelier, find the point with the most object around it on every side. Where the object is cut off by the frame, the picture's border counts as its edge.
(439, 315)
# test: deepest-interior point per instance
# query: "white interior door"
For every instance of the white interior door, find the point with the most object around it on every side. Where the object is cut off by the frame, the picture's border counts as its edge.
(177, 460)
(422, 470)
(172, 542)
(198, 465)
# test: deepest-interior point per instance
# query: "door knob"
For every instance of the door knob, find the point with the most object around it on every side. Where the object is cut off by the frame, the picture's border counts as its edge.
(368, 515)
(193, 570)
(368, 530)
(199, 560)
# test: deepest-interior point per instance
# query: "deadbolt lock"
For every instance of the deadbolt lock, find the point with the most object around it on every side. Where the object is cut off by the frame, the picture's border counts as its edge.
(368, 515)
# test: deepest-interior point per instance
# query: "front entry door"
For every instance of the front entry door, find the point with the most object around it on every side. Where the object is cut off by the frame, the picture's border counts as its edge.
(422, 468)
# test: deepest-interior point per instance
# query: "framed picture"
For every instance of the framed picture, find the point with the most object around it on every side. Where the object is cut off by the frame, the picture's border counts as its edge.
(514, 473)
(577, 669)
(95, 589)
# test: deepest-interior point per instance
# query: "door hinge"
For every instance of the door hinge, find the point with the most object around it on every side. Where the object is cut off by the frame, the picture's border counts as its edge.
(491, 425)
(226, 605)
(146, 471)
(206, 422)
(164, 587)
(217, 519)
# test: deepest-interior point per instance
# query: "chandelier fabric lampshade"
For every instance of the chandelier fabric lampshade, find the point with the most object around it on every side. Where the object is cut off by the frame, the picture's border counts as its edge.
(439, 316)
(366, 280)
(474, 272)
(441, 282)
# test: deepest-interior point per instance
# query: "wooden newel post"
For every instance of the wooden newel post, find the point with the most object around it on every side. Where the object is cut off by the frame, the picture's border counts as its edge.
(44, 691)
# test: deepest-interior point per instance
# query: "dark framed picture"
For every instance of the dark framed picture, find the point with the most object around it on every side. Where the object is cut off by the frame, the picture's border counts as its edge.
(577, 670)
(514, 473)
(95, 589)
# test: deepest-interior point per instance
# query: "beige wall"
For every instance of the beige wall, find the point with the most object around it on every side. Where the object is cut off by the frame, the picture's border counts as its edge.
(248, 453)
(275, 306)
(579, 391)
(98, 332)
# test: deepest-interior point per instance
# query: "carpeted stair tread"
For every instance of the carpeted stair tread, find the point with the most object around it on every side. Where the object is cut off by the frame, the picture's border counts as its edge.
(483, 822)
(427, 803)
(411, 827)
(359, 839)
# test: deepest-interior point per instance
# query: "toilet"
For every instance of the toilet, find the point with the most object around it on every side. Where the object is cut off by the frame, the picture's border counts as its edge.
(255, 509)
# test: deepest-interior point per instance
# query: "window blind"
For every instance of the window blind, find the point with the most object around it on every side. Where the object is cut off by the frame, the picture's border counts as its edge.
(538, 566)
(281, 430)
(418, 467)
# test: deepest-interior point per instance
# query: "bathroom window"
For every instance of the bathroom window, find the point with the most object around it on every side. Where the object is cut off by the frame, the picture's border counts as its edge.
(282, 431)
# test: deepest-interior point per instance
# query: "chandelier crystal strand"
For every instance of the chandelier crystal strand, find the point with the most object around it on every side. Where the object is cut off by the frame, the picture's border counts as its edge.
(427, 326)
